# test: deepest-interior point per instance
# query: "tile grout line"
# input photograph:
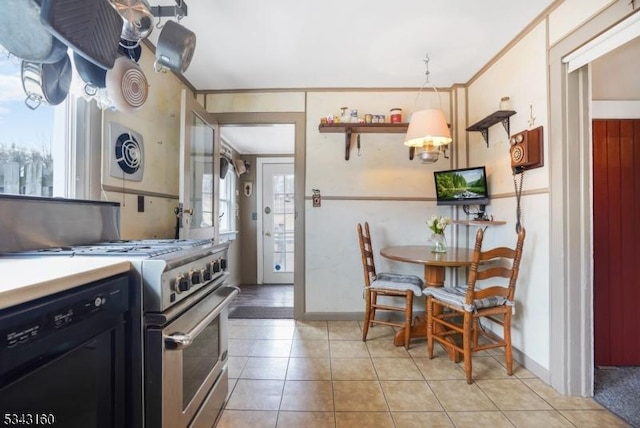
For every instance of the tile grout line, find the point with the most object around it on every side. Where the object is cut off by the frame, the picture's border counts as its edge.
(414, 357)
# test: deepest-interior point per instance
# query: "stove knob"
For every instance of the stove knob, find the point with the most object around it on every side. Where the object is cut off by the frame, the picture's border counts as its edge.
(196, 277)
(206, 274)
(181, 284)
(216, 266)
(223, 264)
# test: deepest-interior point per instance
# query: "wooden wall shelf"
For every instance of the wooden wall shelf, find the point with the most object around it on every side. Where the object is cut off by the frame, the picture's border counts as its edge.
(484, 125)
(362, 128)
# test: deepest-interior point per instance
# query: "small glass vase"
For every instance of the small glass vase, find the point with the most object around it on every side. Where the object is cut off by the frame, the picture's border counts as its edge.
(438, 243)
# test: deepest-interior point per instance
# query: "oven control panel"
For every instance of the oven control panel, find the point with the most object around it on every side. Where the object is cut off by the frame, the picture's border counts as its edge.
(197, 277)
(182, 281)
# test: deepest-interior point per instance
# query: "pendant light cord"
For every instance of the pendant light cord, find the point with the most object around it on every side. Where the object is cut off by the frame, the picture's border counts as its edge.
(427, 73)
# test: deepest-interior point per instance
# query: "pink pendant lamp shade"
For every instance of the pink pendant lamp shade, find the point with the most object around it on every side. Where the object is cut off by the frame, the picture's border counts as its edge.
(427, 128)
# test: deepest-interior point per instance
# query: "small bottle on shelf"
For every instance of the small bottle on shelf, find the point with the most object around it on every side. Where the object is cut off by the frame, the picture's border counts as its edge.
(505, 103)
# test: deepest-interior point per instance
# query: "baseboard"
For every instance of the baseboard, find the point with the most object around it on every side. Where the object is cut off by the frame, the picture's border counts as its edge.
(333, 316)
(535, 368)
(352, 316)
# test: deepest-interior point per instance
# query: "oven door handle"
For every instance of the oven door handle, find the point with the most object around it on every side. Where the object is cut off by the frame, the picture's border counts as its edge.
(178, 341)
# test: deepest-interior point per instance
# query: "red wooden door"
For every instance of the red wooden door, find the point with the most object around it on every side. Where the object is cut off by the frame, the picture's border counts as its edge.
(616, 241)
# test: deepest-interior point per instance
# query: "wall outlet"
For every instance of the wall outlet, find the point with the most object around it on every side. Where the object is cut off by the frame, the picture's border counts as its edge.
(316, 198)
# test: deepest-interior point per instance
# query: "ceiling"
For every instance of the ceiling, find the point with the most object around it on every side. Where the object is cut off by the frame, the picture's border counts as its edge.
(293, 44)
(280, 44)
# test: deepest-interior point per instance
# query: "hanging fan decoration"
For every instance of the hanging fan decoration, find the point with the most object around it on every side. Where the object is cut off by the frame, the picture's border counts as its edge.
(127, 153)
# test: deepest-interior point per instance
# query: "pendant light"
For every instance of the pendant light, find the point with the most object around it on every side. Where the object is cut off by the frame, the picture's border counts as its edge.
(428, 129)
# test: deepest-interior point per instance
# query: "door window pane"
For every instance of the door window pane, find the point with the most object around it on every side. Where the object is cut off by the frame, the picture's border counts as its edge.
(283, 222)
(202, 173)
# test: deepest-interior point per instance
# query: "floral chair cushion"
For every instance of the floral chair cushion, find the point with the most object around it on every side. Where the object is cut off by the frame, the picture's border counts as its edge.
(396, 281)
(456, 296)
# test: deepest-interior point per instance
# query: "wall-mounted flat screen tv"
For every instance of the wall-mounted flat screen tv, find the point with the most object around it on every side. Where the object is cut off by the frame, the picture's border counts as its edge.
(466, 186)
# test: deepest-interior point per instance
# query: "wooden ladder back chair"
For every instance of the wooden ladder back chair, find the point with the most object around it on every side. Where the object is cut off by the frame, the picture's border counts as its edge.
(456, 312)
(385, 284)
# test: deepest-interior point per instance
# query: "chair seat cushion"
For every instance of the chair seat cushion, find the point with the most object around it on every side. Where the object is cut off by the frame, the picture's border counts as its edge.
(456, 296)
(396, 281)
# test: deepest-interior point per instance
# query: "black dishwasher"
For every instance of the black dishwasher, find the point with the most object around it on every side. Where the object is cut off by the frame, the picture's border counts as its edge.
(62, 358)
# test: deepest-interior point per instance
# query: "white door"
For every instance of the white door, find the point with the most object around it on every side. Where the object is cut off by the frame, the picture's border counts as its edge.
(199, 147)
(278, 220)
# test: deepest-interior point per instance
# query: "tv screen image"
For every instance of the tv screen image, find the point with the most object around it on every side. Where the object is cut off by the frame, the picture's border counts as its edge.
(466, 186)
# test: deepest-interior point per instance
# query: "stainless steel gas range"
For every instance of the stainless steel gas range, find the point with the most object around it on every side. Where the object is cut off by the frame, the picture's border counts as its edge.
(179, 326)
(177, 322)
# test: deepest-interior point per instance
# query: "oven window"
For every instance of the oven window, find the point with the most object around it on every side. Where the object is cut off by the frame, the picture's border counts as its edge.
(199, 359)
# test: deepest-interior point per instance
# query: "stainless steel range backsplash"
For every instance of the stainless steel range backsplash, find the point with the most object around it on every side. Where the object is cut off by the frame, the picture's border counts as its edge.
(32, 223)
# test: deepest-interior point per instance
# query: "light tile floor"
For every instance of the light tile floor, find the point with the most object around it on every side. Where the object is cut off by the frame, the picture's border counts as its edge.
(288, 374)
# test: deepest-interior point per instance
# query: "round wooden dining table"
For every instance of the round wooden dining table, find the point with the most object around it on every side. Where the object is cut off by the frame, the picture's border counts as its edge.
(435, 265)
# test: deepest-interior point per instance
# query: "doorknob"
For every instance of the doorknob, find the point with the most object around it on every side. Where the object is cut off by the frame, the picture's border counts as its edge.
(188, 211)
(267, 234)
(267, 210)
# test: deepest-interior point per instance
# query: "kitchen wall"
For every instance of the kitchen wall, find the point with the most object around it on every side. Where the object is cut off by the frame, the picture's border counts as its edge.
(248, 226)
(158, 121)
(521, 73)
(381, 185)
(378, 184)
(396, 196)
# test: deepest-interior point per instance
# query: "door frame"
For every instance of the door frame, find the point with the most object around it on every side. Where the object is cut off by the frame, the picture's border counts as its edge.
(571, 361)
(261, 161)
(299, 121)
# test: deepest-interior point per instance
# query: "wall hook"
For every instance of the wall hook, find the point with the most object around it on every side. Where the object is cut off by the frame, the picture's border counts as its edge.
(532, 120)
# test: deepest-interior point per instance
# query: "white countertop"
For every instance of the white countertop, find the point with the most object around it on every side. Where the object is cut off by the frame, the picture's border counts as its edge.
(25, 279)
